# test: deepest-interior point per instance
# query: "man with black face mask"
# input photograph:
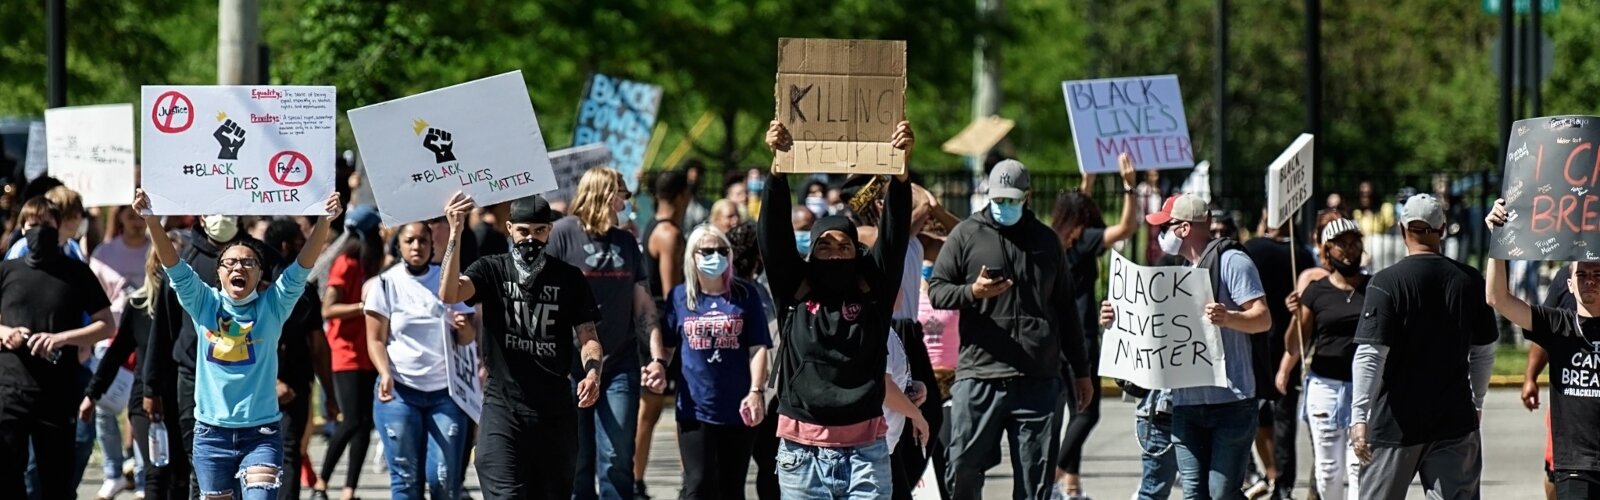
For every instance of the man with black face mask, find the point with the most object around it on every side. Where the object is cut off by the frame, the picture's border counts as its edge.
(43, 300)
(835, 309)
(533, 307)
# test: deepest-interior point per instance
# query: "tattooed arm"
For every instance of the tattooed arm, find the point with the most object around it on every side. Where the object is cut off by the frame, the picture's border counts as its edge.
(590, 352)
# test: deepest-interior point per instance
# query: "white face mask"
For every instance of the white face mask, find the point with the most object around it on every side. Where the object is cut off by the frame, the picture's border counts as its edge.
(1171, 244)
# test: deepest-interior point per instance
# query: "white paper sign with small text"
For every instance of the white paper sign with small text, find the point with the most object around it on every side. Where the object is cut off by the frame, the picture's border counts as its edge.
(237, 150)
(479, 137)
(465, 389)
(91, 151)
(1289, 181)
(1160, 338)
(1142, 116)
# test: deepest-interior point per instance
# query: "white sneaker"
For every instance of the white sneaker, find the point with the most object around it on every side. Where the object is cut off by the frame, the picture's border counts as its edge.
(110, 488)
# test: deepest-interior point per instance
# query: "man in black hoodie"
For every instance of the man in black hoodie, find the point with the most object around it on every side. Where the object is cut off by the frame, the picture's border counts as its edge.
(835, 310)
(1003, 269)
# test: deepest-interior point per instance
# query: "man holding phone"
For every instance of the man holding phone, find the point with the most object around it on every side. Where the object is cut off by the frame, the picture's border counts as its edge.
(1003, 269)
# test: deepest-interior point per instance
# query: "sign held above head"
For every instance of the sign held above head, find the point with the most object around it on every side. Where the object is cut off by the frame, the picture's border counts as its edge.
(1552, 167)
(841, 101)
(1142, 116)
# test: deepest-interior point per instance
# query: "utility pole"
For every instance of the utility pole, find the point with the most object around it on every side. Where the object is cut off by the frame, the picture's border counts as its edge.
(56, 54)
(1507, 10)
(238, 42)
(985, 78)
(1313, 92)
(1220, 188)
(1536, 58)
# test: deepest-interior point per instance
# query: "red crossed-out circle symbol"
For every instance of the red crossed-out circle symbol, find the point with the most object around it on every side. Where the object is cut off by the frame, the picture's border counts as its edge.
(290, 162)
(173, 103)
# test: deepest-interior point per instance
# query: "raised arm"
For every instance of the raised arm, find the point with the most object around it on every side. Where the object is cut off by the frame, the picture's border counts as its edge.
(1496, 290)
(453, 287)
(319, 234)
(1128, 225)
(774, 235)
(889, 252)
(165, 251)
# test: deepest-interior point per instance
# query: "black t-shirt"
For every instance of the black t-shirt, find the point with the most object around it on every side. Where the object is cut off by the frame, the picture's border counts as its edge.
(1336, 313)
(528, 332)
(294, 346)
(1429, 311)
(52, 298)
(1574, 385)
(1278, 275)
(1083, 263)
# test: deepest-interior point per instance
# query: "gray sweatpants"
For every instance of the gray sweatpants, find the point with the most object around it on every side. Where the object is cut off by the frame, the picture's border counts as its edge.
(1450, 469)
(984, 411)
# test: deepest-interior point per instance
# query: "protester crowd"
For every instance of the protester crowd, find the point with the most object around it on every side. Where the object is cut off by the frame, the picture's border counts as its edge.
(844, 337)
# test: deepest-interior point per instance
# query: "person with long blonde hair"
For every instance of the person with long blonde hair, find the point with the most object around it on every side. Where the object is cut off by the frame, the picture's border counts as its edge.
(592, 240)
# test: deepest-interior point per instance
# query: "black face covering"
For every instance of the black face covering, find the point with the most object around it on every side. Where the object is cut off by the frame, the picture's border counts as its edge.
(1346, 270)
(44, 244)
(834, 276)
(529, 249)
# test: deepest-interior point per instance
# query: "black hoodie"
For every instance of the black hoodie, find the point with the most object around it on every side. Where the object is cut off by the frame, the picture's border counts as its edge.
(834, 346)
(1020, 333)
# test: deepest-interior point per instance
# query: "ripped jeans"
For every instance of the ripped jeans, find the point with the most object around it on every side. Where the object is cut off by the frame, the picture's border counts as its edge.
(225, 457)
(422, 431)
(1328, 411)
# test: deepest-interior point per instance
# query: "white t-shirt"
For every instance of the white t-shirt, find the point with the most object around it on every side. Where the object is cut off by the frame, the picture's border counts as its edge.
(910, 299)
(899, 369)
(418, 326)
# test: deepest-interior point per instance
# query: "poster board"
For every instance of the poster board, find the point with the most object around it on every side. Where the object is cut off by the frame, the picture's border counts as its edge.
(91, 151)
(237, 150)
(1142, 116)
(465, 387)
(620, 114)
(1289, 181)
(37, 161)
(1553, 208)
(569, 165)
(1160, 338)
(841, 101)
(979, 137)
(480, 137)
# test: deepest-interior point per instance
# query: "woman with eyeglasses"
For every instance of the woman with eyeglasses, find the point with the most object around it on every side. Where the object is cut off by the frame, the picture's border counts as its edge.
(1327, 312)
(237, 439)
(592, 240)
(721, 326)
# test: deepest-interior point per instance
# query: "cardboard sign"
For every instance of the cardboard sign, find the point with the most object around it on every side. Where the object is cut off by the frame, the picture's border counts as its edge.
(464, 387)
(1289, 181)
(237, 150)
(1142, 116)
(91, 151)
(979, 137)
(841, 100)
(570, 164)
(1161, 339)
(1551, 169)
(37, 161)
(620, 114)
(479, 137)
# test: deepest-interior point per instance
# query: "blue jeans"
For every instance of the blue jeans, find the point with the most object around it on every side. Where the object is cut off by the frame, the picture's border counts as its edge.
(223, 455)
(616, 417)
(1213, 444)
(110, 436)
(417, 422)
(1157, 455)
(860, 473)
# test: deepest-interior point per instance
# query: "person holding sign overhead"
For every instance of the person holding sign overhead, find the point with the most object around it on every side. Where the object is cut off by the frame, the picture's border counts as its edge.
(237, 438)
(835, 310)
(534, 308)
(407, 326)
(1213, 426)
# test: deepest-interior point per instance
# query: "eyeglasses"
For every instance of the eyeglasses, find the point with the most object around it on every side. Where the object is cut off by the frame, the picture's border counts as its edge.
(706, 252)
(247, 263)
(625, 194)
(1005, 201)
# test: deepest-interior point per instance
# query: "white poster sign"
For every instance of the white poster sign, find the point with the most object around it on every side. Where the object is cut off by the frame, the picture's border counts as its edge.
(569, 165)
(1289, 181)
(462, 360)
(237, 150)
(1142, 116)
(91, 151)
(35, 163)
(1160, 338)
(479, 137)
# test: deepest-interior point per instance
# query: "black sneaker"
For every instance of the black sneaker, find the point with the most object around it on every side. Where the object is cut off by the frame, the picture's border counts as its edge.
(639, 492)
(319, 495)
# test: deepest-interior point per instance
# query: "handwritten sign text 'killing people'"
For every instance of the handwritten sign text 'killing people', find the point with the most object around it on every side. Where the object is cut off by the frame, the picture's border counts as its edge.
(841, 101)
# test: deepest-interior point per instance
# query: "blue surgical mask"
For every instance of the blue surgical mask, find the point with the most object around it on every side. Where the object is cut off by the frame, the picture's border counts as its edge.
(802, 242)
(756, 185)
(626, 214)
(240, 302)
(1005, 214)
(712, 266)
(1170, 243)
(817, 205)
(927, 271)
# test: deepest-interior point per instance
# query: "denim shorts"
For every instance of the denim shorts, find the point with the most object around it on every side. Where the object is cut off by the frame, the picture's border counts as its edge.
(223, 454)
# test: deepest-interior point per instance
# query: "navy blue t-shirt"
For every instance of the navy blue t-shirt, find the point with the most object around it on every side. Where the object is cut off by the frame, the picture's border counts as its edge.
(715, 341)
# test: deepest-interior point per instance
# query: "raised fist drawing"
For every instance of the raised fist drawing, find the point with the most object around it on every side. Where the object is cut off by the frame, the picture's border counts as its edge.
(439, 142)
(231, 136)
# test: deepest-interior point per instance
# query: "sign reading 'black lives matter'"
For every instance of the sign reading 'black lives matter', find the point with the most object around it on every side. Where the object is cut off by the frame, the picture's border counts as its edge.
(1551, 169)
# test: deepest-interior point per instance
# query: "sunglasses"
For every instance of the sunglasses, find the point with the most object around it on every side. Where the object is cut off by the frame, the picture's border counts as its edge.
(247, 263)
(706, 252)
(625, 194)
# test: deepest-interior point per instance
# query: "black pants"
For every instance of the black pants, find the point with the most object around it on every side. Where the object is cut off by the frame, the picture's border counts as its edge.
(715, 459)
(1081, 422)
(765, 454)
(1285, 424)
(33, 416)
(185, 430)
(1577, 485)
(296, 415)
(353, 390)
(173, 481)
(139, 426)
(907, 460)
(525, 456)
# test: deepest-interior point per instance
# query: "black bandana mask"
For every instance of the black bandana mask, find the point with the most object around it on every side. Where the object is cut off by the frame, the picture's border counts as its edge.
(528, 255)
(834, 277)
(44, 244)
